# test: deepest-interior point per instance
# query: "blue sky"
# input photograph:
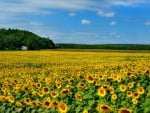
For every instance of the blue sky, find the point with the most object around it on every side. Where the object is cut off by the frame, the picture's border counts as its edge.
(80, 21)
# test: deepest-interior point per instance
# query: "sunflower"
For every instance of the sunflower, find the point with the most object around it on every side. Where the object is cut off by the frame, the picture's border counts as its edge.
(34, 103)
(90, 79)
(114, 96)
(135, 95)
(54, 94)
(10, 99)
(62, 107)
(124, 110)
(27, 101)
(106, 87)
(122, 88)
(119, 79)
(140, 90)
(103, 108)
(2, 98)
(101, 77)
(46, 103)
(111, 90)
(109, 79)
(114, 76)
(41, 94)
(69, 87)
(70, 81)
(81, 85)
(58, 85)
(54, 104)
(48, 80)
(63, 79)
(3, 89)
(34, 93)
(80, 77)
(101, 92)
(64, 91)
(129, 93)
(134, 101)
(25, 88)
(85, 111)
(38, 85)
(78, 96)
(45, 90)
(19, 104)
(131, 85)
(16, 89)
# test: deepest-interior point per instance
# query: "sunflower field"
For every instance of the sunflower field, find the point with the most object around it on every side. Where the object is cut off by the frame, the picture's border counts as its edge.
(58, 81)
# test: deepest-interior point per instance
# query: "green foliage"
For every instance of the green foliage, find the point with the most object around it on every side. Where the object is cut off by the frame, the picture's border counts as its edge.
(105, 46)
(14, 39)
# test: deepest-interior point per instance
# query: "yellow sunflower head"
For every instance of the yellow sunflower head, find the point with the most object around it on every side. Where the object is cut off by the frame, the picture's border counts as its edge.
(129, 93)
(64, 91)
(135, 95)
(114, 96)
(54, 94)
(140, 90)
(81, 85)
(54, 104)
(34, 103)
(48, 80)
(27, 101)
(80, 77)
(10, 99)
(2, 98)
(134, 101)
(122, 88)
(111, 90)
(103, 108)
(45, 90)
(124, 110)
(62, 107)
(101, 92)
(78, 96)
(38, 85)
(19, 104)
(46, 104)
(58, 85)
(131, 85)
(90, 79)
(85, 111)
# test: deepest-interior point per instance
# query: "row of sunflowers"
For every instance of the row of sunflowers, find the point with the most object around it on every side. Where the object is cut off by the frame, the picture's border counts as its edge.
(74, 82)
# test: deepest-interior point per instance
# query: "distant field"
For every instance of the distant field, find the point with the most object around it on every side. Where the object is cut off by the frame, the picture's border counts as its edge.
(101, 50)
(75, 81)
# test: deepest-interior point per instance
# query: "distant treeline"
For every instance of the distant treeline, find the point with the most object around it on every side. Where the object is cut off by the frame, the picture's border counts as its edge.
(14, 39)
(105, 46)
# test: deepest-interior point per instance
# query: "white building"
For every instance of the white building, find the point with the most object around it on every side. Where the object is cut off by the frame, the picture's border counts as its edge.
(24, 48)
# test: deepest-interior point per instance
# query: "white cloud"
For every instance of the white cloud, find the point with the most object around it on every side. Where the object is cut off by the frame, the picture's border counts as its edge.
(18, 7)
(147, 23)
(131, 3)
(113, 23)
(72, 14)
(85, 22)
(106, 14)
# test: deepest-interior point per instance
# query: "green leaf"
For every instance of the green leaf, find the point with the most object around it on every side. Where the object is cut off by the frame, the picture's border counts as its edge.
(91, 102)
(78, 109)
